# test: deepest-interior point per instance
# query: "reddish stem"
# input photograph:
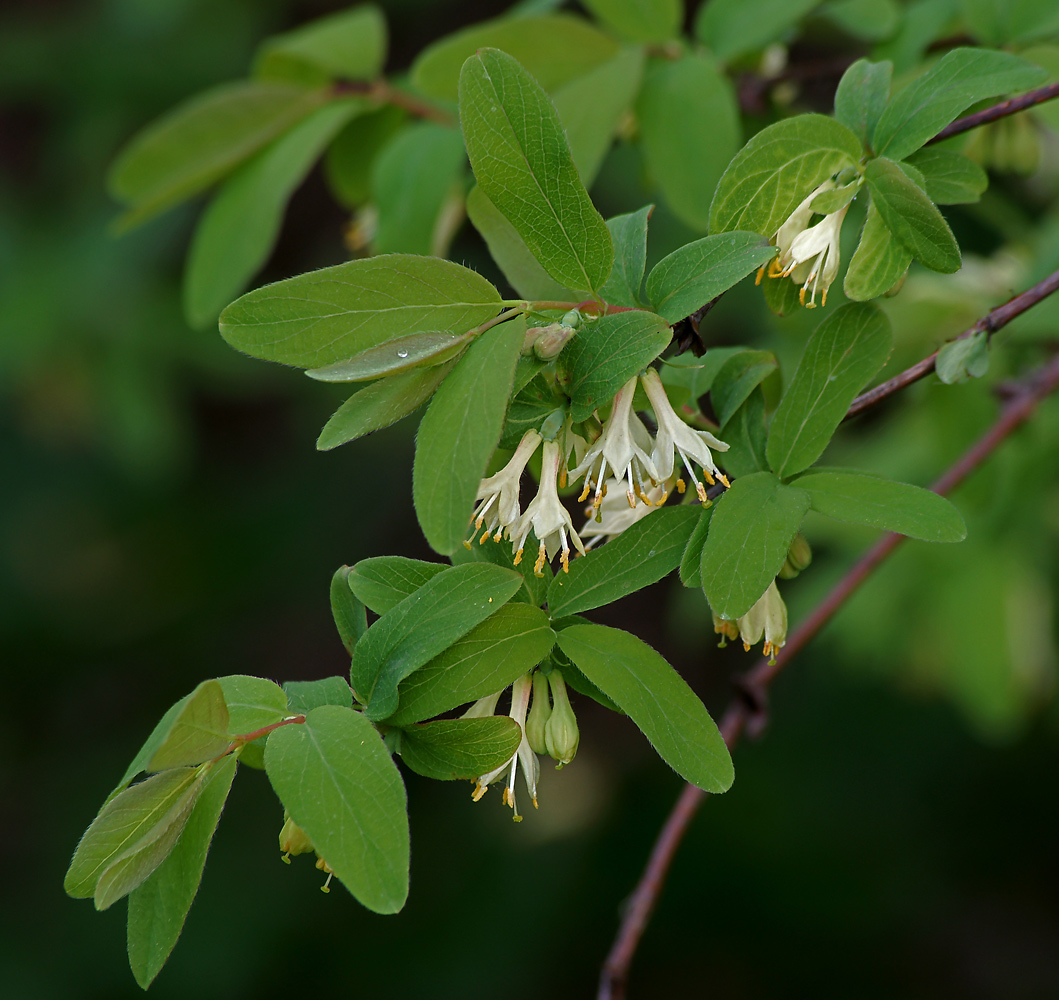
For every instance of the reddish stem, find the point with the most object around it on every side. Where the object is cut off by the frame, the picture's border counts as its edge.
(997, 111)
(238, 741)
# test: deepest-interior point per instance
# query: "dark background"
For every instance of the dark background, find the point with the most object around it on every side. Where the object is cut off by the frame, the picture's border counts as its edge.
(164, 518)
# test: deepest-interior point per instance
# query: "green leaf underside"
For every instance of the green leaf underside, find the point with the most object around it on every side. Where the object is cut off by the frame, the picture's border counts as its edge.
(335, 313)
(878, 261)
(698, 272)
(776, 169)
(381, 404)
(534, 588)
(689, 131)
(882, 503)
(843, 353)
(861, 96)
(963, 358)
(522, 161)
(459, 433)
(394, 357)
(487, 659)
(159, 906)
(745, 434)
(423, 625)
(606, 353)
(912, 217)
(639, 556)
(750, 533)
(629, 234)
(304, 696)
(460, 748)
(151, 744)
(690, 572)
(253, 702)
(239, 228)
(350, 44)
(738, 378)
(640, 20)
(340, 785)
(951, 178)
(200, 732)
(656, 698)
(960, 78)
(382, 582)
(733, 27)
(349, 614)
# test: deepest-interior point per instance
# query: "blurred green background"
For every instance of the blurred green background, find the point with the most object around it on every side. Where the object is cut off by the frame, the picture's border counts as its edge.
(164, 518)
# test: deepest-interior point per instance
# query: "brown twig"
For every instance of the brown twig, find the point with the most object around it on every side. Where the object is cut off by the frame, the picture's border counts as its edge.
(749, 711)
(384, 92)
(997, 111)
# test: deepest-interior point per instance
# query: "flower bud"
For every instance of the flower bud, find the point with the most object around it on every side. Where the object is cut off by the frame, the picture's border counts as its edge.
(551, 340)
(539, 713)
(293, 839)
(560, 732)
(799, 555)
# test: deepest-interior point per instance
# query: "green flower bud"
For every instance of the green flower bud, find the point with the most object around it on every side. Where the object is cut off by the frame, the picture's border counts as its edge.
(799, 555)
(539, 713)
(293, 839)
(561, 734)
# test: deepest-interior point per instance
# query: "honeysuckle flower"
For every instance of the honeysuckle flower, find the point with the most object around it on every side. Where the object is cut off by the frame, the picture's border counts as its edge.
(622, 447)
(547, 517)
(814, 257)
(797, 222)
(675, 437)
(768, 618)
(614, 515)
(531, 769)
(498, 495)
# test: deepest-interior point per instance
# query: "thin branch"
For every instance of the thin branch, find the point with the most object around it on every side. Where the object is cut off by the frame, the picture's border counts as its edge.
(384, 92)
(749, 711)
(997, 111)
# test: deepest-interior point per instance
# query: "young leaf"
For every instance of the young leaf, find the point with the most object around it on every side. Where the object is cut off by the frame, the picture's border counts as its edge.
(750, 533)
(689, 130)
(200, 141)
(638, 557)
(963, 359)
(381, 404)
(656, 698)
(332, 314)
(734, 27)
(606, 353)
(878, 262)
(340, 785)
(394, 357)
(640, 20)
(151, 744)
(959, 79)
(198, 733)
(739, 376)
(951, 178)
(304, 696)
(423, 625)
(384, 581)
(689, 277)
(843, 353)
(690, 570)
(488, 658)
(911, 216)
(460, 748)
(159, 906)
(629, 233)
(861, 96)
(351, 619)
(777, 169)
(459, 432)
(522, 162)
(253, 702)
(745, 435)
(238, 230)
(882, 503)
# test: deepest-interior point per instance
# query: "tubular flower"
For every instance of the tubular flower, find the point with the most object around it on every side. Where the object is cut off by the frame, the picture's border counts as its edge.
(768, 618)
(813, 257)
(675, 437)
(614, 515)
(796, 224)
(623, 448)
(498, 495)
(547, 517)
(531, 769)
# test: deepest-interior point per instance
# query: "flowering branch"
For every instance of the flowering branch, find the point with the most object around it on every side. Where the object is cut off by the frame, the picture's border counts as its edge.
(997, 111)
(749, 710)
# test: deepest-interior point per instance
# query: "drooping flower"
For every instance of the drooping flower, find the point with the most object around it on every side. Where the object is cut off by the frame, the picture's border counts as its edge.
(614, 515)
(814, 257)
(547, 517)
(675, 437)
(499, 506)
(767, 618)
(796, 224)
(524, 755)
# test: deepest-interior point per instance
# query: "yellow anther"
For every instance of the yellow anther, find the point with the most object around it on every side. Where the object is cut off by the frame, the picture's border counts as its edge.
(604, 493)
(542, 554)
(708, 477)
(518, 557)
(823, 298)
(662, 499)
(681, 486)
(746, 647)
(484, 538)
(562, 478)
(645, 498)
(724, 479)
(479, 791)
(760, 275)
(499, 534)
(775, 271)
(701, 490)
(632, 499)
(585, 492)
(565, 560)
(801, 295)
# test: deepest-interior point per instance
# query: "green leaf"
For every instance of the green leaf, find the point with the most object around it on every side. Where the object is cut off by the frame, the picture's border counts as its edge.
(750, 534)
(698, 272)
(350, 158)
(459, 432)
(739, 376)
(351, 619)
(629, 233)
(606, 353)
(501, 649)
(414, 175)
(592, 106)
(555, 49)
(139, 815)
(881, 503)
(460, 748)
(381, 404)
(338, 782)
(656, 698)
(689, 131)
(951, 178)
(384, 581)
(861, 96)
(200, 141)
(827, 202)
(696, 374)
(996, 22)
(843, 353)
(963, 359)
(200, 732)
(350, 45)
(782, 296)
(151, 744)
(332, 314)
(639, 556)
(912, 217)
(879, 260)
(777, 169)
(522, 162)
(306, 695)
(253, 702)
(733, 27)
(690, 573)
(745, 435)
(394, 357)
(868, 19)
(640, 20)
(958, 80)
(159, 906)
(534, 588)
(423, 625)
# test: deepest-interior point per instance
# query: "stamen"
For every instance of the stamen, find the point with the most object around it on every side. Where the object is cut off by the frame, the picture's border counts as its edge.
(485, 537)
(564, 557)
(479, 791)
(760, 275)
(518, 556)
(801, 295)
(585, 491)
(542, 555)
(681, 486)
(326, 887)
